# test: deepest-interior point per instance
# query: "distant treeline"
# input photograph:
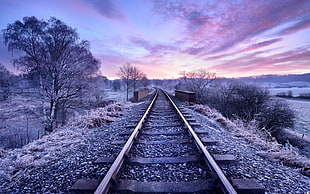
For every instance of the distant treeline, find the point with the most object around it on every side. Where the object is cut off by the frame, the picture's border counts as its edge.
(290, 95)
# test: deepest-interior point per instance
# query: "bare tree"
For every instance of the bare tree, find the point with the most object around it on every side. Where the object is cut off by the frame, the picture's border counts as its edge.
(125, 74)
(197, 81)
(137, 75)
(54, 51)
(130, 75)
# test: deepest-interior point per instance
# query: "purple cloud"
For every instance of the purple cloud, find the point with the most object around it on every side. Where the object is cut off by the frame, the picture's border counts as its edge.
(153, 48)
(277, 63)
(301, 25)
(224, 24)
(249, 48)
(261, 44)
(107, 8)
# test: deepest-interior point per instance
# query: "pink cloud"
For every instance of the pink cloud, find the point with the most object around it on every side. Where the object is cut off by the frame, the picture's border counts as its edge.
(249, 48)
(221, 25)
(261, 44)
(153, 48)
(301, 25)
(250, 64)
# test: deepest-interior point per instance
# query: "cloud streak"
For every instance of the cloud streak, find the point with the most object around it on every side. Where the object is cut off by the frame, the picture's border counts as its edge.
(153, 48)
(107, 8)
(296, 59)
(301, 25)
(223, 25)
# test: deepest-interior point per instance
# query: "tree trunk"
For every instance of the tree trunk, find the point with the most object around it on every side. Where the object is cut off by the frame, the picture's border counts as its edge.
(53, 115)
(45, 117)
(63, 115)
(127, 91)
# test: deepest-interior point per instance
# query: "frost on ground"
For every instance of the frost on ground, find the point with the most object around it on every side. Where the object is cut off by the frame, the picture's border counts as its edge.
(39, 152)
(269, 148)
(20, 120)
(98, 117)
(302, 112)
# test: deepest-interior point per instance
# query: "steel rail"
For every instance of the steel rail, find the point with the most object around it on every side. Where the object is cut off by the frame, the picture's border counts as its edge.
(215, 168)
(106, 182)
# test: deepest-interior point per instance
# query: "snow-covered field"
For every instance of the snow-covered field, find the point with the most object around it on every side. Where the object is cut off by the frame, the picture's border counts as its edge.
(302, 113)
(297, 87)
(295, 91)
(117, 95)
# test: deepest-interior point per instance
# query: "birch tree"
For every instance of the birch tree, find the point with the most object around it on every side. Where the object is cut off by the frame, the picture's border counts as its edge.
(60, 58)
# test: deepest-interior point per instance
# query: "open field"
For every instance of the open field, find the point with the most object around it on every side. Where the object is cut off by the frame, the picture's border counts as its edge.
(302, 112)
(295, 91)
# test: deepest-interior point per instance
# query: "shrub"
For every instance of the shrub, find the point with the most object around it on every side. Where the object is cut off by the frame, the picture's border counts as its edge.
(267, 147)
(275, 115)
(238, 100)
(249, 102)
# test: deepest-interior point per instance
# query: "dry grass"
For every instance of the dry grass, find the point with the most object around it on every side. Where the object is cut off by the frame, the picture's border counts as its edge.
(100, 116)
(268, 146)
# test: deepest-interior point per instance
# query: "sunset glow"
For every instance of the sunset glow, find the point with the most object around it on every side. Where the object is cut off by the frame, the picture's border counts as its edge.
(163, 37)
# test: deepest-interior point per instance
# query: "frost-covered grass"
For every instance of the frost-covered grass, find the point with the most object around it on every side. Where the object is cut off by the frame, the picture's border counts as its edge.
(267, 146)
(98, 117)
(46, 148)
(39, 151)
(20, 120)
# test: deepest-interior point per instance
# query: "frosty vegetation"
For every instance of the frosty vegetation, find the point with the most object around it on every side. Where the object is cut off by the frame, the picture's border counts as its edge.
(46, 148)
(268, 146)
(5, 81)
(52, 52)
(238, 100)
(59, 85)
(99, 116)
(249, 112)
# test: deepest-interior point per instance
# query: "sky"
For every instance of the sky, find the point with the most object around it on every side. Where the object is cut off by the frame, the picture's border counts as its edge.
(232, 38)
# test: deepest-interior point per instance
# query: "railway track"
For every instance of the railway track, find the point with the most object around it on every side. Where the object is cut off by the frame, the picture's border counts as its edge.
(166, 153)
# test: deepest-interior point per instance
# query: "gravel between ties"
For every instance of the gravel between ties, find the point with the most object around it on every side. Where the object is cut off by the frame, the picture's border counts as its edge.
(163, 172)
(162, 150)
